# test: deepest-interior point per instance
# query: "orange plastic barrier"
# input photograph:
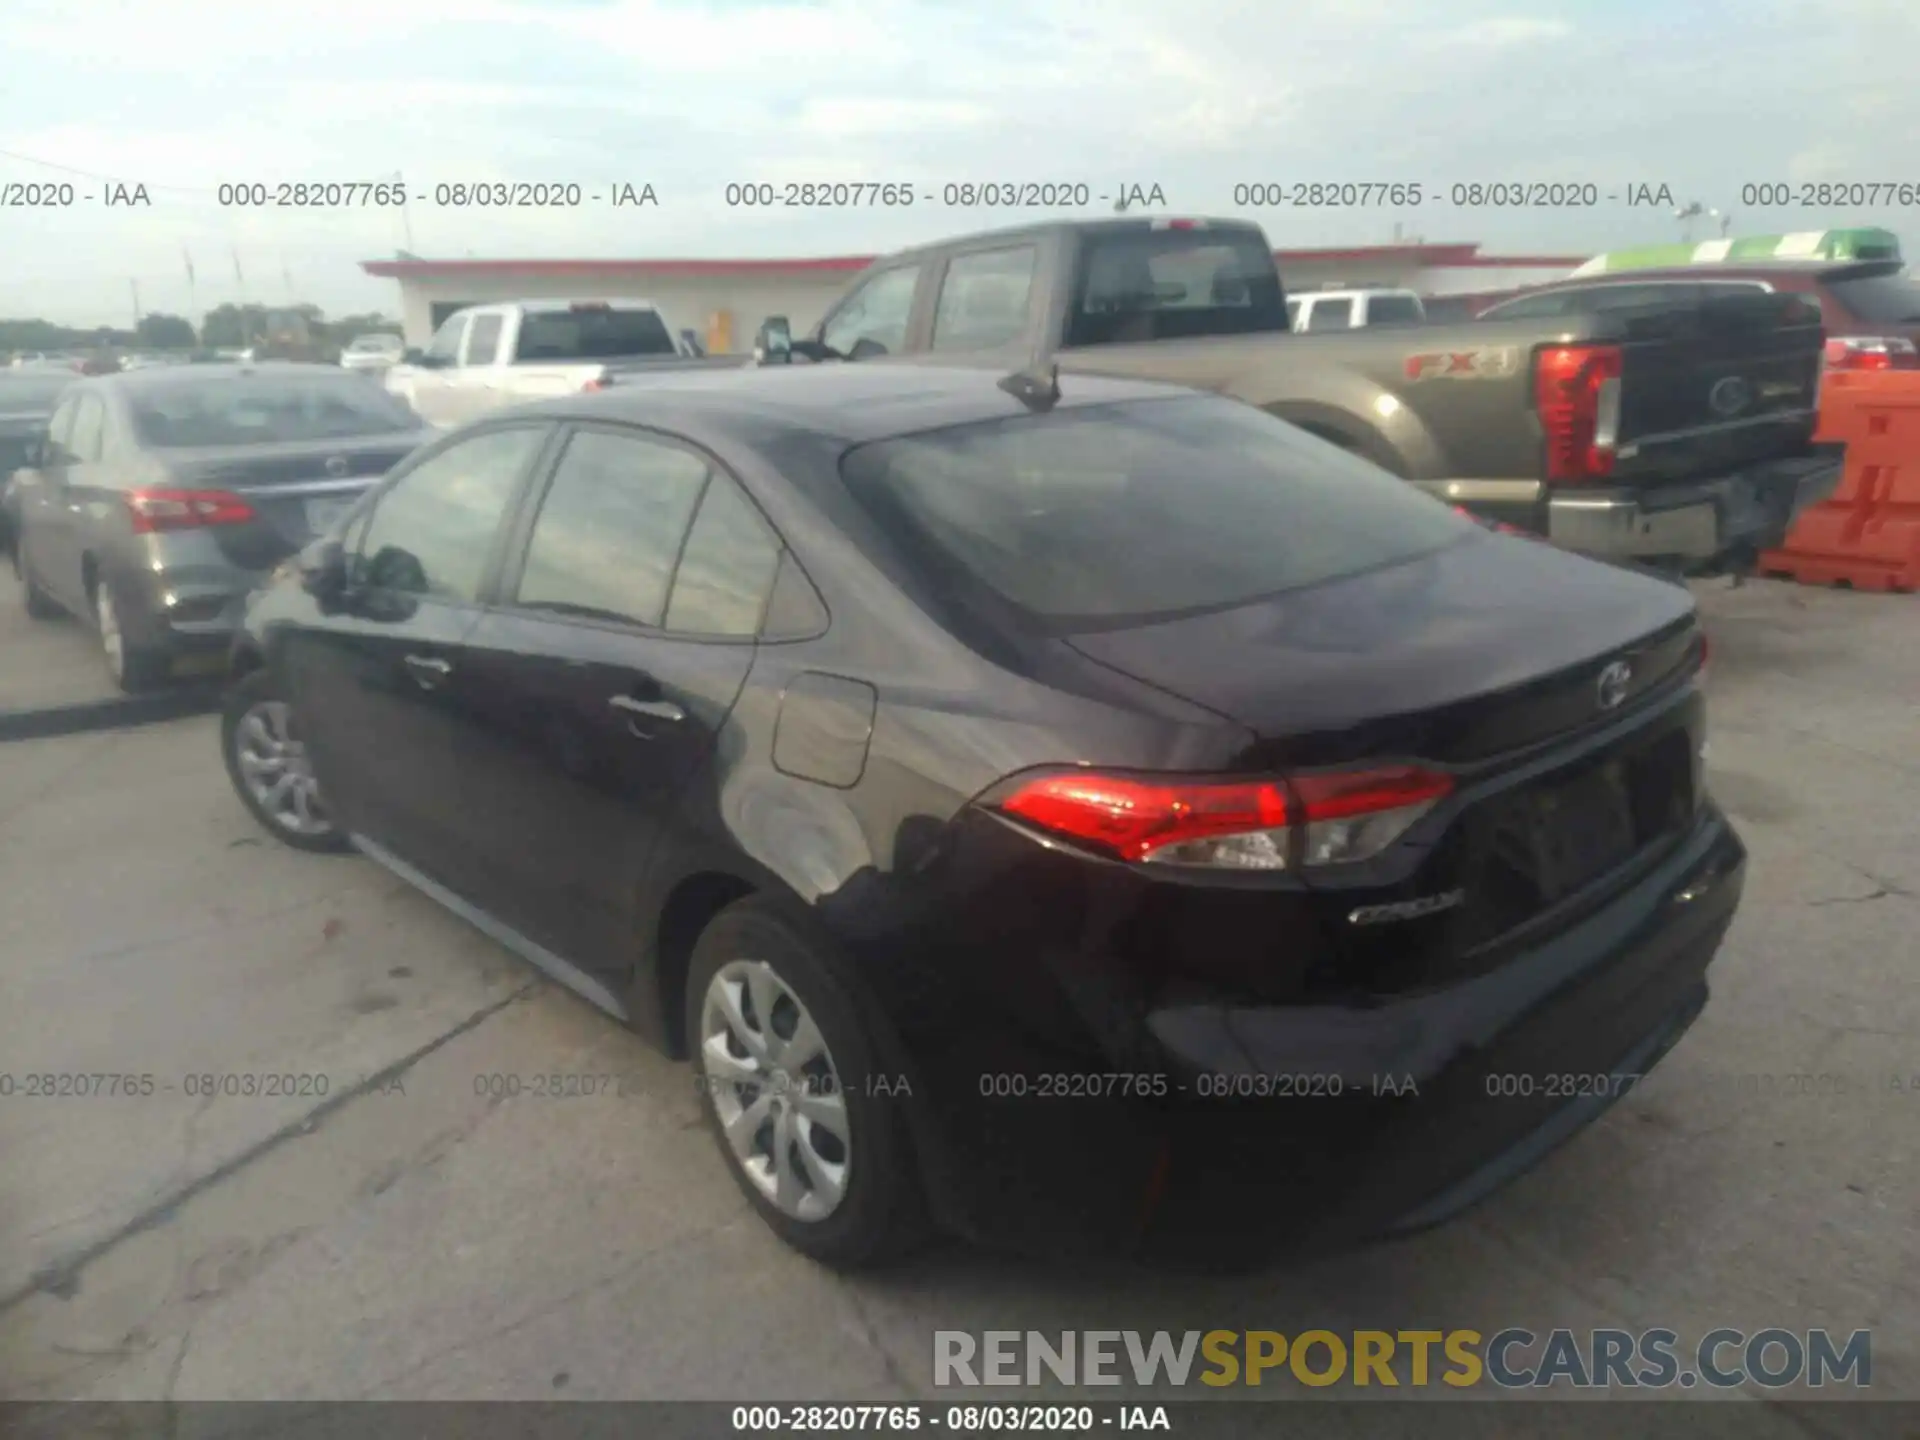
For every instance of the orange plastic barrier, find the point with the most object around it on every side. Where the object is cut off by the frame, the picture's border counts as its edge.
(1867, 534)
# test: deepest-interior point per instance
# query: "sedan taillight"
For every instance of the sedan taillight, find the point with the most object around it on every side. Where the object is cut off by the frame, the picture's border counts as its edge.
(1327, 818)
(154, 510)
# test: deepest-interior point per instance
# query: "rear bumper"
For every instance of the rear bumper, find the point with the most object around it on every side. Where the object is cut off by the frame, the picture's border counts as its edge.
(191, 599)
(1355, 1123)
(1712, 524)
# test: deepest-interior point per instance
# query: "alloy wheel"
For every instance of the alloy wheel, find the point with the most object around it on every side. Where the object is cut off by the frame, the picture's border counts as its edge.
(772, 1083)
(274, 766)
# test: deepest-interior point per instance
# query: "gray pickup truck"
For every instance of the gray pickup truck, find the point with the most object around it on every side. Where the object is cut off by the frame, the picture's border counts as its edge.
(1678, 436)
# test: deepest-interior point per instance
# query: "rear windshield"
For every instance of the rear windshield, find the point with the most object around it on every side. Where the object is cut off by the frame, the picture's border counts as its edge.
(364, 343)
(1140, 285)
(1889, 299)
(591, 333)
(35, 396)
(1085, 518)
(262, 410)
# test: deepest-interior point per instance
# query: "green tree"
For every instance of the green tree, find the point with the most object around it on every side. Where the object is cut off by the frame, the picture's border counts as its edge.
(164, 332)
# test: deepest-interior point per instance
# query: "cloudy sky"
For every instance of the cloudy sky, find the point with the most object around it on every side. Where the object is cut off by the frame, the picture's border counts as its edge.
(687, 95)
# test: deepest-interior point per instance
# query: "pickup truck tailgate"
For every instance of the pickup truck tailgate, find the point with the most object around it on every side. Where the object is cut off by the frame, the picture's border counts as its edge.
(1715, 386)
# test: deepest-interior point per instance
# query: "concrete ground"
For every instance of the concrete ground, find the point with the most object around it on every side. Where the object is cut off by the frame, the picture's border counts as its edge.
(407, 1235)
(45, 662)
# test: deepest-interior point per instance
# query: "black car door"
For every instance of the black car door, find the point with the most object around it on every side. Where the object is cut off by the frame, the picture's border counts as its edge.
(379, 684)
(624, 633)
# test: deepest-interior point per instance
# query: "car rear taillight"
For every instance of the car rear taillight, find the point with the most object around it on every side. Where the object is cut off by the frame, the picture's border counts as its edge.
(154, 510)
(1328, 818)
(1576, 389)
(598, 382)
(1871, 352)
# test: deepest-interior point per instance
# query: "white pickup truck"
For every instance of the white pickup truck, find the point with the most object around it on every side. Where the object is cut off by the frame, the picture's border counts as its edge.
(488, 356)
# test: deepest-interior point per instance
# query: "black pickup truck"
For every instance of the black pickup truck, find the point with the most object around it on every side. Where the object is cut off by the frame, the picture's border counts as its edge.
(1679, 435)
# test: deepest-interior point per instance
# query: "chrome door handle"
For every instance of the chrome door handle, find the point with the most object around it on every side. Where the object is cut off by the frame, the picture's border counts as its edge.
(428, 669)
(652, 709)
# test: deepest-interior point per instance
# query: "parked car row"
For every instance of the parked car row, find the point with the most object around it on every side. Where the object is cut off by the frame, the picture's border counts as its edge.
(1040, 802)
(152, 502)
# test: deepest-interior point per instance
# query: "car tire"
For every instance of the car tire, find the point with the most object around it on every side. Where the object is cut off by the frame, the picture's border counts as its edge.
(38, 604)
(132, 666)
(754, 947)
(256, 727)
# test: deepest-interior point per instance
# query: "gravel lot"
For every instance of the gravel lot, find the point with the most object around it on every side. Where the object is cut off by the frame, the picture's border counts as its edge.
(404, 1236)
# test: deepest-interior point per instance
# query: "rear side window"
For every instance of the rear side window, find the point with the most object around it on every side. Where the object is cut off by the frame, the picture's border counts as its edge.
(609, 528)
(983, 299)
(1139, 285)
(1884, 299)
(1330, 315)
(726, 570)
(83, 444)
(591, 331)
(1393, 310)
(1087, 517)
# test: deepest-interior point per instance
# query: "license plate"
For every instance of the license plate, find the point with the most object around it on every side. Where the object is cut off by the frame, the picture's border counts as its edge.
(324, 514)
(1580, 830)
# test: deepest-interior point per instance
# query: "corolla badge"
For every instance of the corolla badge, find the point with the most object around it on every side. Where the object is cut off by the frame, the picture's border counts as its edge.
(1407, 909)
(1730, 397)
(1612, 686)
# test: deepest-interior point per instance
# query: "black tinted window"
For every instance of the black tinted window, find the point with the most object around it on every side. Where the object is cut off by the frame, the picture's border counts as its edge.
(430, 533)
(727, 567)
(483, 340)
(1139, 285)
(591, 332)
(1141, 509)
(1330, 315)
(1889, 299)
(263, 410)
(1603, 298)
(610, 527)
(878, 312)
(983, 299)
(1393, 310)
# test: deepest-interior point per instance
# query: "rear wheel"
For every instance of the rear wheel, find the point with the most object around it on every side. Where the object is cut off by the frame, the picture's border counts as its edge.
(268, 765)
(788, 1069)
(134, 667)
(39, 604)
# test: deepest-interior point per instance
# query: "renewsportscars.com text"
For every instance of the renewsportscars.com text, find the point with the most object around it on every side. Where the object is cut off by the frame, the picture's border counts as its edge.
(1512, 1358)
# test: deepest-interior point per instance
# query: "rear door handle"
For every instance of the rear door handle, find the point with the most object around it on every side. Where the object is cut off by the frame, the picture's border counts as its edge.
(652, 709)
(429, 670)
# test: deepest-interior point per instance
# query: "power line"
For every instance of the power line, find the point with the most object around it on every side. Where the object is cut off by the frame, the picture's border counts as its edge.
(108, 179)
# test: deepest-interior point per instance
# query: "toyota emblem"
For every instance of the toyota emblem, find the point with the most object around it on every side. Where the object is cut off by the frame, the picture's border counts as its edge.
(337, 466)
(1730, 397)
(1612, 688)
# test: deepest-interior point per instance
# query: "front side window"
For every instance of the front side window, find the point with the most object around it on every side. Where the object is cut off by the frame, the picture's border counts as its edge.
(1150, 508)
(445, 344)
(878, 313)
(610, 527)
(430, 534)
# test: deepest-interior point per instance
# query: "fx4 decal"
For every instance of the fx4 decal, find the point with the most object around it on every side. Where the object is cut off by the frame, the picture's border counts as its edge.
(1492, 363)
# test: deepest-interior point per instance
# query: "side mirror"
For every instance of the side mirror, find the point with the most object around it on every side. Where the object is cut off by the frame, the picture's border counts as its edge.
(323, 569)
(773, 345)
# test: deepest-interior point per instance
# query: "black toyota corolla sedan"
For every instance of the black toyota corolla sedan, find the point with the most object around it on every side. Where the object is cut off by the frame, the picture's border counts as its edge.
(1087, 815)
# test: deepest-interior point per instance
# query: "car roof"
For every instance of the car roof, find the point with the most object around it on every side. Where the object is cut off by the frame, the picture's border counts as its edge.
(1727, 270)
(164, 375)
(850, 401)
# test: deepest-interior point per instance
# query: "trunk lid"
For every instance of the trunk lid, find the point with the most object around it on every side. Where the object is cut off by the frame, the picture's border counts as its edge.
(1486, 660)
(296, 489)
(1715, 385)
